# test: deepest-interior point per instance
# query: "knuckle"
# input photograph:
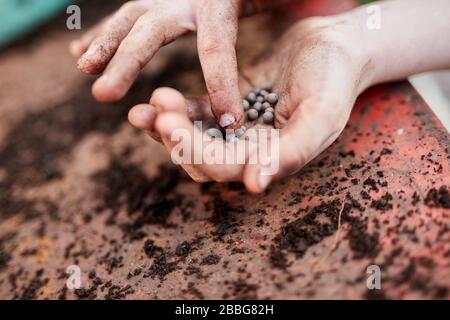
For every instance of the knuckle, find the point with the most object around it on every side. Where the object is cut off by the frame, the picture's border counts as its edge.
(210, 46)
(130, 6)
(136, 61)
(130, 57)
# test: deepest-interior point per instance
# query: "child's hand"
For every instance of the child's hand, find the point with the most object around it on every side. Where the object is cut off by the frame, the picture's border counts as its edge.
(318, 74)
(122, 45)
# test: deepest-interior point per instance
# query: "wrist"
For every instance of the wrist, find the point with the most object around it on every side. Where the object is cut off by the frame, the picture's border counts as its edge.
(345, 33)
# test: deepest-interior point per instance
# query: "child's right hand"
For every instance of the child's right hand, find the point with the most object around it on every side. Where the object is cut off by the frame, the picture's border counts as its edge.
(122, 45)
(317, 68)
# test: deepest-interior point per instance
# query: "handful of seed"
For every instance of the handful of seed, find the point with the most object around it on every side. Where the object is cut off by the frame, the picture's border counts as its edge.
(260, 102)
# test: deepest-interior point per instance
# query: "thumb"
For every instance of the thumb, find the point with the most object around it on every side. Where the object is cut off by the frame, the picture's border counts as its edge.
(308, 132)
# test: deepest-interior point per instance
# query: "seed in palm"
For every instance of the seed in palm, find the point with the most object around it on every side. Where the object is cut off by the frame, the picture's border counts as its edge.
(268, 117)
(252, 114)
(270, 109)
(272, 98)
(265, 105)
(257, 106)
(245, 104)
(251, 97)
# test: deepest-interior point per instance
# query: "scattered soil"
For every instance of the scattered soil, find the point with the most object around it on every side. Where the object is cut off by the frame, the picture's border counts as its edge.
(438, 198)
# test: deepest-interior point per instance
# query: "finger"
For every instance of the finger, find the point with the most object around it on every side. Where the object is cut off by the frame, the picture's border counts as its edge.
(79, 46)
(150, 32)
(309, 131)
(103, 47)
(176, 115)
(170, 100)
(143, 117)
(195, 146)
(165, 99)
(227, 168)
(217, 31)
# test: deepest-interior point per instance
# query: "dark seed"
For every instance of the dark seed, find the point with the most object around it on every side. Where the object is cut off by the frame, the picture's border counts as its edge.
(270, 109)
(245, 104)
(260, 99)
(252, 114)
(268, 117)
(257, 106)
(263, 93)
(251, 97)
(265, 105)
(272, 98)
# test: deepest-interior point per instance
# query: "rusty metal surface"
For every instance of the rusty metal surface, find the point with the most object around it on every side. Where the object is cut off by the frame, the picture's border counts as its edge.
(79, 186)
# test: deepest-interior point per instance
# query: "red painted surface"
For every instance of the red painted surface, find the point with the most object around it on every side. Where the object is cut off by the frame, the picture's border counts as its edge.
(93, 195)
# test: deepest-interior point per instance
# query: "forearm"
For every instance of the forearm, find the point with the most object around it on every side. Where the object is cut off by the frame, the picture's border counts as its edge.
(413, 37)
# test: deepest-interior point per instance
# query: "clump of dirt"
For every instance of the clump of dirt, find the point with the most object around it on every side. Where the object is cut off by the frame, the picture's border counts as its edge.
(183, 249)
(371, 184)
(5, 256)
(162, 266)
(241, 290)
(384, 151)
(86, 294)
(116, 292)
(31, 291)
(321, 222)
(150, 248)
(361, 242)
(384, 203)
(415, 198)
(438, 198)
(147, 200)
(298, 236)
(211, 259)
(224, 219)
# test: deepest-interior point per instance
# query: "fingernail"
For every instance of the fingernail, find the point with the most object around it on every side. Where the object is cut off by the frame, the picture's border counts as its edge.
(226, 119)
(88, 56)
(263, 180)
